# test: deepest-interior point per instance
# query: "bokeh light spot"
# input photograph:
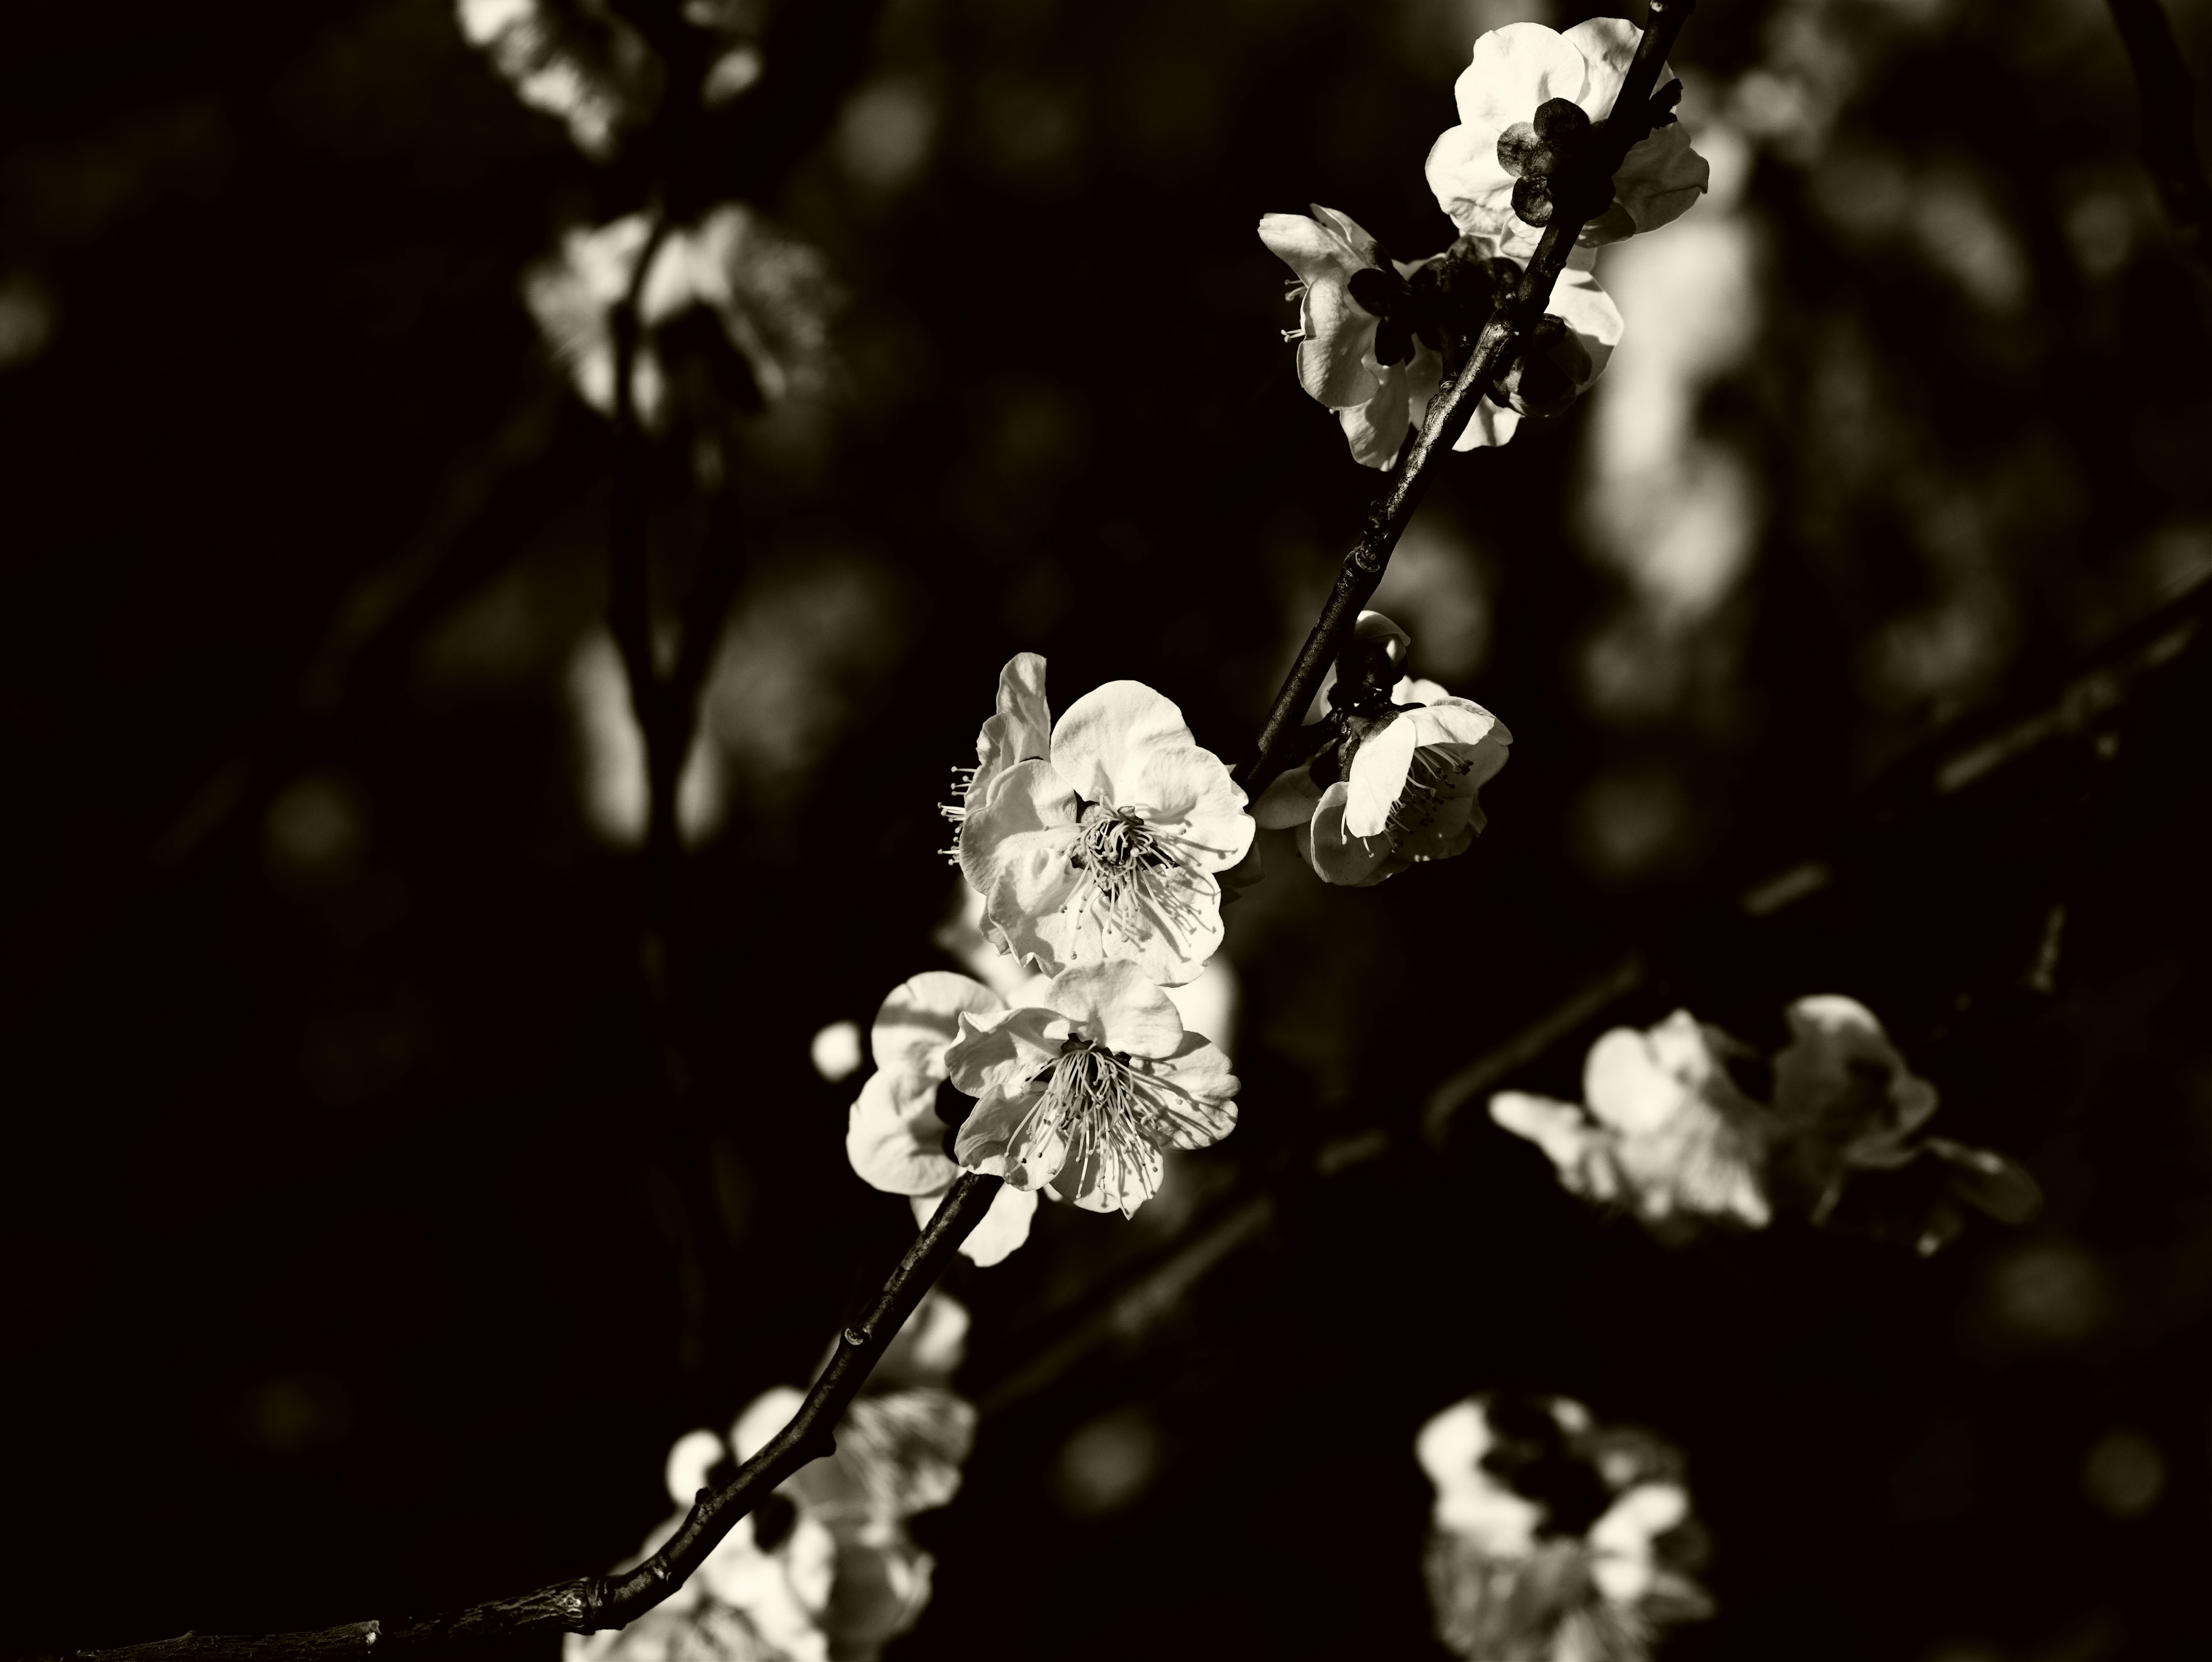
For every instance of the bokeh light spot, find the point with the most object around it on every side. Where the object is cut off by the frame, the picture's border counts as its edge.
(2123, 1473)
(1107, 1465)
(835, 1051)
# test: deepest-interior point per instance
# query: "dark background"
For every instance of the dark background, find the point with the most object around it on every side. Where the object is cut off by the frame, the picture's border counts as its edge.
(348, 1268)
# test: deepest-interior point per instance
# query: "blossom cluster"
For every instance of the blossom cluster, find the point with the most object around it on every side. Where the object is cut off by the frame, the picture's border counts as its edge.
(1554, 1539)
(1667, 1129)
(1375, 334)
(827, 1570)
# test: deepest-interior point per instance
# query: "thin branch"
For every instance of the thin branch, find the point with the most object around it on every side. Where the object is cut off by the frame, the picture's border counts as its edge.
(2169, 123)
(593, 1602)
(1453, 406)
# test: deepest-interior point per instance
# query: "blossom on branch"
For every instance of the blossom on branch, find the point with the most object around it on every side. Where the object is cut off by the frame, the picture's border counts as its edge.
(1532, 104)
(1373, 331)
(1396, 767)
(577, 60)
(1552, 1539)
(1099, 837)
(1664, 1131)
(1080, 1095)
(899, 1127)
(732, 314)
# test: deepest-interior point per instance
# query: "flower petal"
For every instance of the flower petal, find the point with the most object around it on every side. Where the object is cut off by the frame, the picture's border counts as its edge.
(987, 1061)
(1476, 192)
(1335, 857)
(1014, 847)
(1004, 1227)
(1378, 778)
(1607, 47)
(1493, 424)
(1129, 747)
(1117, 1005)
(1192, 1092)
(1516, 68)
(1021, 731)
(1289, 801)
(921, 1018)
(1318, 252)
(1984, 1178)
(1110, 1174)
(896, 1142)
(1659, 180)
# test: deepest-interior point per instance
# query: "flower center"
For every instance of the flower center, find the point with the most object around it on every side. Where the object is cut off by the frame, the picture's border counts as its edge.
(1092, 1102)
(1115, 847)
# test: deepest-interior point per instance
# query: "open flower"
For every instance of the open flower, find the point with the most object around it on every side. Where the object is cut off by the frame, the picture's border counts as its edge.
(1371, 331)
(1845, 1102)
(1664, 1131)
(1552, 1538)
(1529, 104)
(1107, 844)
(1080, 1095)
(1395, 767)
(896, 1133)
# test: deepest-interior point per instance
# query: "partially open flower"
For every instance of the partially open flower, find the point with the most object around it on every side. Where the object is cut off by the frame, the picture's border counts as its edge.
(1396, 767)
(1372, 330)
(1107, 846)
(1664, 1130)
(1531, 103)
(1552, 1537)
(1078, 1097)
(1846, 1102)
(897, 1133)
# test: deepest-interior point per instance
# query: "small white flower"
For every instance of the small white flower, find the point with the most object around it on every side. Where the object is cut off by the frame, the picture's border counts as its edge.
(894, 1134)
(1371, 330)
(1526, 101)
(1079, 1096)
(1099, 837)
(1664, 1131)
(1397, 765)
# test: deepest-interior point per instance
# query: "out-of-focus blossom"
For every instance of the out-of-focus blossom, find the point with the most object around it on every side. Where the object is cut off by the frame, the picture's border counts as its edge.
(1666, 1131)
(734, 312)
(1663, 1130)
(1530, 102)
(1099, 837)
(900, 1448)
(1553, 1540)
(1372, 330)
(1396, 767)
(896, 1133)
(1080, 1095)
(575, 59)
(1845, 1102)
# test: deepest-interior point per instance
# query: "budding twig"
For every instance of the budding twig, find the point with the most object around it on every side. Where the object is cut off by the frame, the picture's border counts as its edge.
(1453, 406)
(593, 1602)
(2169, 123)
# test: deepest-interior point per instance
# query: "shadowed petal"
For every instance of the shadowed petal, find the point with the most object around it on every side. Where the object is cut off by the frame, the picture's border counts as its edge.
(921, 1018)
(1289, 801)
(1117, 1005)
(895, 1142)
(985, 1061)
(1005, 1228)
(1356, 862)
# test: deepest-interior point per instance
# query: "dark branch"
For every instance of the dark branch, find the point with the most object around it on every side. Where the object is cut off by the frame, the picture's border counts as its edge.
(1453, 406)
(2169, 123)
(593, 1601)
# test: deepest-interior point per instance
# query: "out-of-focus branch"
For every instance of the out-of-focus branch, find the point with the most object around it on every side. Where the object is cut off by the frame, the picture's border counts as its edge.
(1453, 406)
(2169, 123)
(593, 1602)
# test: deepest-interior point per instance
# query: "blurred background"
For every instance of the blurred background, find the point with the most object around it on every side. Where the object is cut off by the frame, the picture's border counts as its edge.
(356, 1259)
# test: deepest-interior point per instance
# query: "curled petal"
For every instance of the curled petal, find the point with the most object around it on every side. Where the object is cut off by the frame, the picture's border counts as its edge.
(985, 1061)
(1117, 1005)
(896, 1142)
(1336, 856)
(1021, 729)
(920, 1018)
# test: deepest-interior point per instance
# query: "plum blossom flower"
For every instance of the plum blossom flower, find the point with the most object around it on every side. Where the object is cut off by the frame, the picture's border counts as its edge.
(1396, 767)
(1668, 1132)
(1528, 103)
(734, 312)
(1664, 1131)
(575, 59)
(896, 1133)
(1099, 837)
(1371, 331)
(1080, 1095)
(1552, 1539)
(1845, 1102)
